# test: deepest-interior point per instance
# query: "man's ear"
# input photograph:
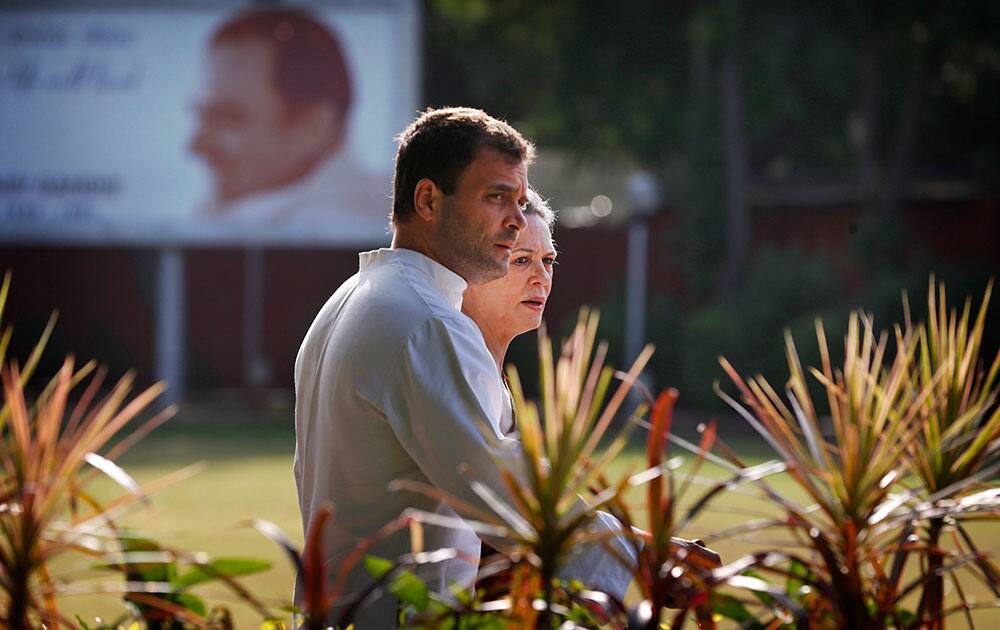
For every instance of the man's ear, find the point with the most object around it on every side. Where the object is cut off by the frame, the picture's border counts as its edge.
(427, 199)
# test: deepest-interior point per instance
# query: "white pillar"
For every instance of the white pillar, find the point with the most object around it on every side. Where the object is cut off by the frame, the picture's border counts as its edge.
(256, 368)
(170, 334)
(635, 290)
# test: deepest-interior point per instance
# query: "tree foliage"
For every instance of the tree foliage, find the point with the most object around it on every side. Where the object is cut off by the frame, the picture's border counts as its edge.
(640, 79)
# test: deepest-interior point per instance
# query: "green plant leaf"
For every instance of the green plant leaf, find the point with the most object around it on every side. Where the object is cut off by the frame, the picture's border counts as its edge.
(191, 602)
(797, 573)
(220, 567)
(411, 591)
(728, 607)
(377, 567)
(906, 617)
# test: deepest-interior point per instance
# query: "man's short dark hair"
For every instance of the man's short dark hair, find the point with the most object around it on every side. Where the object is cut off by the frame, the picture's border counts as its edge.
(441, 143)
(309, 66)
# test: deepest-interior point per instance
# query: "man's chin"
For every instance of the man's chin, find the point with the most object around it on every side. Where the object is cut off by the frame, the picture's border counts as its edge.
(228, 190)
(484, 275)
(229, 195)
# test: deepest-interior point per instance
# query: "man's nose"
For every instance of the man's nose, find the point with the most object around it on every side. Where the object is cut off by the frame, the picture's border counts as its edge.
(515, 219)
(200, 143)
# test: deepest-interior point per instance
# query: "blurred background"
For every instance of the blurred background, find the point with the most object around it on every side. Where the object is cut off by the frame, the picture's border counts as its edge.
(187, 184)
(722, 170)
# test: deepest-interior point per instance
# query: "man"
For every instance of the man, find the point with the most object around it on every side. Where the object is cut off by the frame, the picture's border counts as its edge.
(271, 126)
(392, 380)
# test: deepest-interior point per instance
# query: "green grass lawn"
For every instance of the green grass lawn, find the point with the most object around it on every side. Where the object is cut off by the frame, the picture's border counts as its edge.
(246, 473)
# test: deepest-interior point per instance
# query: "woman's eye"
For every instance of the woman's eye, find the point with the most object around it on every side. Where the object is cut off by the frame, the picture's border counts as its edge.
(549, 261)
(521, 260)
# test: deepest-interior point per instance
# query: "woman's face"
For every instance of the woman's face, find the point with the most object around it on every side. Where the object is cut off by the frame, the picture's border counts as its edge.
(514, 304)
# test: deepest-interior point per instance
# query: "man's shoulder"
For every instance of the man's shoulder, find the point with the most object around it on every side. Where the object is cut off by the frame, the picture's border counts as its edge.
(388, 304)
(403, 288)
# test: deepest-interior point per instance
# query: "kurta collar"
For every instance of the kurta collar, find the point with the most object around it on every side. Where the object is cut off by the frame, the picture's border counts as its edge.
(444, 280)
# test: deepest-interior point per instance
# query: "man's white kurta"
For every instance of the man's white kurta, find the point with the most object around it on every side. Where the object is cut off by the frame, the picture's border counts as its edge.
(392, 382)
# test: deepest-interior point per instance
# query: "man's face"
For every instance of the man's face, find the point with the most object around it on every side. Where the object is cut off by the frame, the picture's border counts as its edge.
(481, 220)
(245, 133)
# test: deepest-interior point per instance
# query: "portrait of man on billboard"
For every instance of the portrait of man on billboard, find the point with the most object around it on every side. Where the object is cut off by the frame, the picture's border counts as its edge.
(272, 125)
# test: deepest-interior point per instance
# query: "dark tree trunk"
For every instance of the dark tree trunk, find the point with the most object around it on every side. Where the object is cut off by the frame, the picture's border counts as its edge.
(698, 96)
(865, 123)
(903, 141)
(735, 156)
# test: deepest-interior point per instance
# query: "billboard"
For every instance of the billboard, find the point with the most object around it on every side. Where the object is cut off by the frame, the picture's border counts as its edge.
(203, 123)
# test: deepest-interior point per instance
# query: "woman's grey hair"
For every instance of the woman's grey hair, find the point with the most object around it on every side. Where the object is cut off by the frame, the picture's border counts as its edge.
(540, 207)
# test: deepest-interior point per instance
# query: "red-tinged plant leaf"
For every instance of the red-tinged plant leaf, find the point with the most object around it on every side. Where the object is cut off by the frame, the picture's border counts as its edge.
(83, 404)
(506, 512)
(662, 416)
(17, 407)
(314, 569)
(526, 503)
(459, 523)
(989, 568)
(753, 422)
(121, 447)
(592, 390)
(600, 428)
(708, 435)
(361, 550)
(428, 490)
(945, 569)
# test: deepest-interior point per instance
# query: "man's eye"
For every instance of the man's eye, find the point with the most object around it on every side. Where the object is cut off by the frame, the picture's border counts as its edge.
(496, 197)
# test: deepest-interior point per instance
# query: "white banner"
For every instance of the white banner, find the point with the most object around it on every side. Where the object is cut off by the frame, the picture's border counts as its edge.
(204, 123)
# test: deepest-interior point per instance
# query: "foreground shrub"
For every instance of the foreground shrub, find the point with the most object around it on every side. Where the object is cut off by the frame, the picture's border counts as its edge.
(52, 447)
(930, 411)
(954, 398)
(545, 520)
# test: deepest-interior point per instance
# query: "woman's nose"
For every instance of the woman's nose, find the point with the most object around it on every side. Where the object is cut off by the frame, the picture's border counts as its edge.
(541, 274)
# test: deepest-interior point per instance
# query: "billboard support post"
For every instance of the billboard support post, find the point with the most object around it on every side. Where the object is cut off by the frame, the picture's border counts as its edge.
(635, 288)
(170, 336)
(256, 369)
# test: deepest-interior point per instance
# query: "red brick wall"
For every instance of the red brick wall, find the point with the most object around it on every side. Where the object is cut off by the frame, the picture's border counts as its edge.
(105, 295)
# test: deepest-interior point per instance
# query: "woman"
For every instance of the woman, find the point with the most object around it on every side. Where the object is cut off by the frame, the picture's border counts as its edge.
(512, 305)
(505, 308)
